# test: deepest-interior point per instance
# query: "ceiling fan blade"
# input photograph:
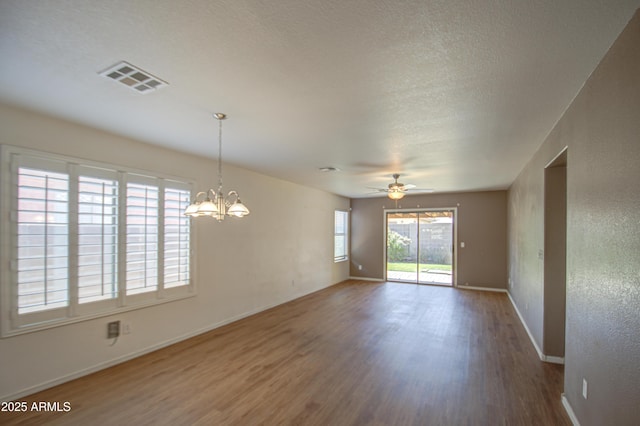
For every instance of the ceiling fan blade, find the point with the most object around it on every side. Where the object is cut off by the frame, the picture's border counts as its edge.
(401, 187)
(424, 191)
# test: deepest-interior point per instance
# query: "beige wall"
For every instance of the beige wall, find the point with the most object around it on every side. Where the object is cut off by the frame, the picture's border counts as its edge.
(242, 266)
(602, 130)
(481, 226)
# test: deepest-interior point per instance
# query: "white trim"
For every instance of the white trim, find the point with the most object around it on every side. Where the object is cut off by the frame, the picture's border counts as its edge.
(106, 364)
(569, 410)
(454, 278)
(469, 287)
(346, 234)
(535, 345)
(49, 156)
(418, 209)
(541, 355)
(562, 151)
(99, 314)
(366, 279)
(554, 359)
(497, 290)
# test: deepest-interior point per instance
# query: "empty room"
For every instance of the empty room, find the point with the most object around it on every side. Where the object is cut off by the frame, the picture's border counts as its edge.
(319, 212)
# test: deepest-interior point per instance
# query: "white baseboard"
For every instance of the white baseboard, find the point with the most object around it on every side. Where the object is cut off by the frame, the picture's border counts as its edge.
(524, 324)
(470, 287)
(541, 355)
(569, 410)
(554, 359)
(366, 279)
(115, 361)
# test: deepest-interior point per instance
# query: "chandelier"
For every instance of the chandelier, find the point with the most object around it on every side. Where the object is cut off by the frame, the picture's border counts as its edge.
(214, 203)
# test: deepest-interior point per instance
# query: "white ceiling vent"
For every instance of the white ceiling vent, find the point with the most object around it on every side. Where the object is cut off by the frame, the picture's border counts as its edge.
(133, 77)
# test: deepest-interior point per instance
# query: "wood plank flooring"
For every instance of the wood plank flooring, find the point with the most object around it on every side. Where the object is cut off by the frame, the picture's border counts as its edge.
(358, 353)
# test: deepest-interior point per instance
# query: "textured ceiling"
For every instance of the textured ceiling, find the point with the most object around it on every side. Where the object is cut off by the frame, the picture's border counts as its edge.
(453, 95)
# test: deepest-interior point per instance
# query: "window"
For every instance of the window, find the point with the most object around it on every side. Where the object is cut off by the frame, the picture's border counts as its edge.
(142, 238)
(176, 238)
(341, 234)
(97, 238)
(42, 229)
(85, 240)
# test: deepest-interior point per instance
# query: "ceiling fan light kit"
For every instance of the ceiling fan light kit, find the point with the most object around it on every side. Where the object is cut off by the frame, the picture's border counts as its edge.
(396, 194)
(397, 189)
(214, 203)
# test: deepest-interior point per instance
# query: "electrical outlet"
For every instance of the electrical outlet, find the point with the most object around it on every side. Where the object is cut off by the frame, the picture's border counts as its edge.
(113, 329)
(126, 328)
(584, 388)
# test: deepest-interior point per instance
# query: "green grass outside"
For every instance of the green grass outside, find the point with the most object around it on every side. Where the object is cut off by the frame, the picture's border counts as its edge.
(411, 267)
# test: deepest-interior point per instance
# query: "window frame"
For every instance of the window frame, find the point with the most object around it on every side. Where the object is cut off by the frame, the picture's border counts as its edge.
(12, 159)
(345, 256)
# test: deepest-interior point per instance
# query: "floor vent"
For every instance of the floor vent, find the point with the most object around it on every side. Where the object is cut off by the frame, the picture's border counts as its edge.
(133, 77)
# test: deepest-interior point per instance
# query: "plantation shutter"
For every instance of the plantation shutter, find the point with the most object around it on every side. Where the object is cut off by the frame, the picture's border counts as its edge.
(42, 217)
(142, 237)
(176, 238)
(97, 236)
(87, 239)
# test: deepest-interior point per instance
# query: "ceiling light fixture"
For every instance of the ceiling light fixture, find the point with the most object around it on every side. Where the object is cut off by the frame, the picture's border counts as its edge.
(396, 189)
(214, 203)
(395, 193)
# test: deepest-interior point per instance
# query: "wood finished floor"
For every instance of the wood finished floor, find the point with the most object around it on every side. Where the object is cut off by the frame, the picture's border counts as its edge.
(358, 353)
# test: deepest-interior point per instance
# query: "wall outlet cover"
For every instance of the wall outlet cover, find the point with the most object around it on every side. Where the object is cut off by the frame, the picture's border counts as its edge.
(113, 329)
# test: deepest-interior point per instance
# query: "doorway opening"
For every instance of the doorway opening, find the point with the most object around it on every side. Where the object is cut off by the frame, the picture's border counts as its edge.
(555, 258)
(419, 246)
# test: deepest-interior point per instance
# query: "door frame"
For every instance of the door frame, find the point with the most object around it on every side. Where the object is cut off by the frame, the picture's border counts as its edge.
(454, 243)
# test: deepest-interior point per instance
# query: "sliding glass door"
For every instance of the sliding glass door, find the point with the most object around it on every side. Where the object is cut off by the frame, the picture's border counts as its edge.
(420, 246)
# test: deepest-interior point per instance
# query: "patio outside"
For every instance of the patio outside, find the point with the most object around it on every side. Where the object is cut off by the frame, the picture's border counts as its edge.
(419, 247)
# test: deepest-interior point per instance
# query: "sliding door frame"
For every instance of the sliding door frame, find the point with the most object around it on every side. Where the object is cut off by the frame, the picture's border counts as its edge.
(454, 243)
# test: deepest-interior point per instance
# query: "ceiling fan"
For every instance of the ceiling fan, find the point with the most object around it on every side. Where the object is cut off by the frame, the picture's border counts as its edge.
(397, 190)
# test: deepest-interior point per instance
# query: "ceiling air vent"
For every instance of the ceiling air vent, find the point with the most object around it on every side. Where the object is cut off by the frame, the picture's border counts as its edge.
(133, 77)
